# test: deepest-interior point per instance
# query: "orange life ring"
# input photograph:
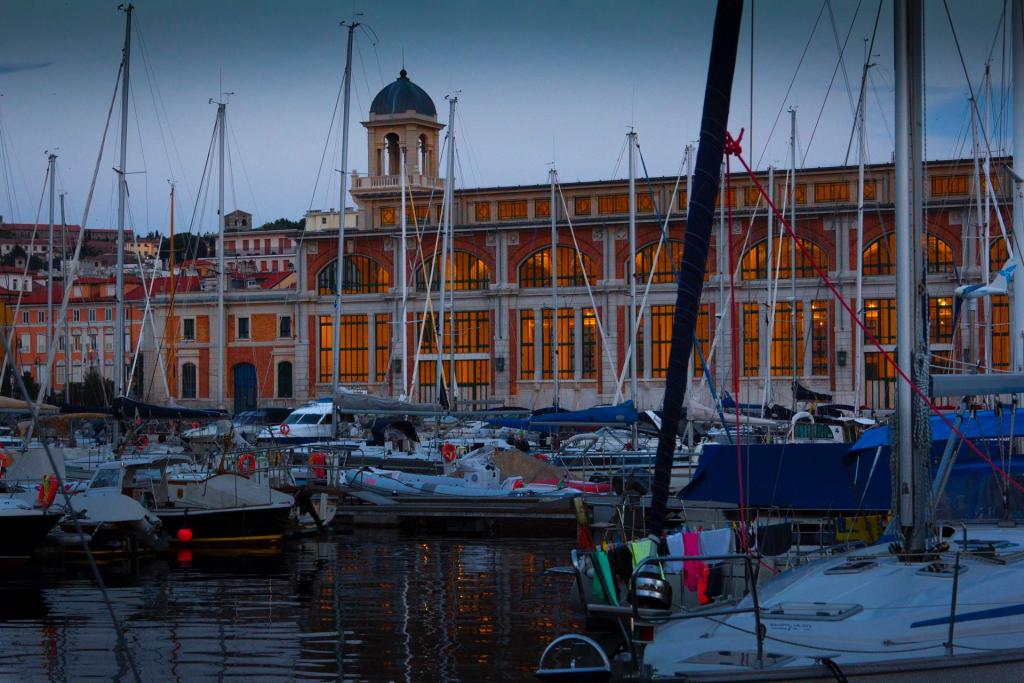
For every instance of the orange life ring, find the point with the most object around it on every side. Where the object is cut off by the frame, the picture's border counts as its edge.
(316, 463)
(246, 464)
(449, 453)
(47, 491)
(285, 429)
(142, 442)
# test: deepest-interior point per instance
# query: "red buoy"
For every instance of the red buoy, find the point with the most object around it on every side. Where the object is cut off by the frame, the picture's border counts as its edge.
(184, 535)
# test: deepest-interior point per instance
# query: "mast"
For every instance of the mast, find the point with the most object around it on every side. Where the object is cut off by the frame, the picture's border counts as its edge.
(170, 314)
(858, 353)
(700, 218)
(631, 273)
(221, 319)
(449, 197)
(912, 489)
(1017, 320)
(49, 265)
(552, 175)
(792, 246)
(336, 346)
(770, 262)
(986, 266)
(689, 187)
(403, 286)
(119, 389)
(64, 279)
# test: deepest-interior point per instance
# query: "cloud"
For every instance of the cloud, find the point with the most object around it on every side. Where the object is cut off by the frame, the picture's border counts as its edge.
(14, 67)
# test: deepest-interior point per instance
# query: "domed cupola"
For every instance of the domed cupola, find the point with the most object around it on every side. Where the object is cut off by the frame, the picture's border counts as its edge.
(403, 96)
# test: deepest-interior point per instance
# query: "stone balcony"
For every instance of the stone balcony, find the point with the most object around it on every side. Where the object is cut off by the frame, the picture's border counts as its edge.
(392, 183)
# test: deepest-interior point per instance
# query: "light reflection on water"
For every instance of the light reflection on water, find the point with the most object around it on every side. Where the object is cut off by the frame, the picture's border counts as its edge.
(369, 606)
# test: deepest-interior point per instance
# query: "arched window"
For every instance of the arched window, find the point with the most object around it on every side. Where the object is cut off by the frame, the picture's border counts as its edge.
(421, 151)
(362, 276)
(284, 379)
(535, 271)
(756, 261)
(391, 160)
(880, 255)
(665, 268)
(188, 380)
(469, 273)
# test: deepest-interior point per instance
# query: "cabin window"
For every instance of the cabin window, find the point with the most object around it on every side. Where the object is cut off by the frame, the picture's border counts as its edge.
(188, 329)
(756, 261)
(469, 272)
(106, 477)
(243, 328)
(284, 379)
(512, 210)
(284, 326)
(787, 348)
(310, 419)
(362, 276)
(188, 380)
(535, 271)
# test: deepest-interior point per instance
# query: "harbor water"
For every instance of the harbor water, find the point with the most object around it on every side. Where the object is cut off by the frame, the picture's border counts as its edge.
(363, 606)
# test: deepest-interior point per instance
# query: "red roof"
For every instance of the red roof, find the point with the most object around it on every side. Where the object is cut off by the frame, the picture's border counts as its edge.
(162, 285)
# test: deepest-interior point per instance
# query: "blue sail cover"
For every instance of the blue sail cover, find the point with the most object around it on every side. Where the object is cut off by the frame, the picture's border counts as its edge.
(984, 424)
(623, 414)
(792, 476)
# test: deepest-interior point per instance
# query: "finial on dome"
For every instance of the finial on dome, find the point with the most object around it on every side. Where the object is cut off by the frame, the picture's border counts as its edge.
(403, 73)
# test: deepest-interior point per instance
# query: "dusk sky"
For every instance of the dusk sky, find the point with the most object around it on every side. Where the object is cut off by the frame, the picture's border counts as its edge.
(539, 82)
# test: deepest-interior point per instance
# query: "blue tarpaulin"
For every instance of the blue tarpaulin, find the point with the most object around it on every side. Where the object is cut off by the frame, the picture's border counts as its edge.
(984, 424)
(794, 476)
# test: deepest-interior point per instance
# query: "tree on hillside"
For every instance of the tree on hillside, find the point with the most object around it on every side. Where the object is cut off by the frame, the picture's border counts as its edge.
(283, 224)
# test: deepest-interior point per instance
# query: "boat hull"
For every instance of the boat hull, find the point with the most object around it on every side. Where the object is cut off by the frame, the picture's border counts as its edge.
(21, 534)
(249, 524)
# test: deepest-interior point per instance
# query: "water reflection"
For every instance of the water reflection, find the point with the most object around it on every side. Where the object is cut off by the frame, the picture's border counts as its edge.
(370, 606)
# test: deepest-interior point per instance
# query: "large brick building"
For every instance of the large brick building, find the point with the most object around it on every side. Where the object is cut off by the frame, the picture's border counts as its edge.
(280, 337)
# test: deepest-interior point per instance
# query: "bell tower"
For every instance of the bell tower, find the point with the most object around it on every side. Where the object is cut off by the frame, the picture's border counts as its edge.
(401, 115)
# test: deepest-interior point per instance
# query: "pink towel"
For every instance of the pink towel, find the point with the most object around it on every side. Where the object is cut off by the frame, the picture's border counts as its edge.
(692, 569)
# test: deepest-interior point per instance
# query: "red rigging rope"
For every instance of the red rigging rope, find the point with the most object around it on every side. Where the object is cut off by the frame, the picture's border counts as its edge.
(732, 148)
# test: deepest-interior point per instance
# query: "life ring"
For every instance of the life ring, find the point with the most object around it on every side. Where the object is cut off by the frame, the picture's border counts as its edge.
(142, 442)
(246, 464)
(5, 462)
(285, 429)
(316, 463)
(195, 425)
(47, 491)
(448, 453)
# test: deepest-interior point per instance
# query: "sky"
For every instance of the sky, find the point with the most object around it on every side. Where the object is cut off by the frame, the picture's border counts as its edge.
(538, 82)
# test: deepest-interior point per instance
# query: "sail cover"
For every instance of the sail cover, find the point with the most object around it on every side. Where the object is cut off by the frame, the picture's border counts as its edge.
(623, 414)
(125, 407)
(347, 401)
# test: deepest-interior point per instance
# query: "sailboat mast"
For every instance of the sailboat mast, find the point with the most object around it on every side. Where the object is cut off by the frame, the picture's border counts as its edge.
(343, 190)
(858, 353)
(64, 279)
(403, 285)
(792, 247)
(770, 263)
(1017, 320)
(49, 262)
(221, 319)
(449, 198)
(631, 274)
(122, 179)
(170, 314)
(912, 489)
(983, 241)
(552, 175)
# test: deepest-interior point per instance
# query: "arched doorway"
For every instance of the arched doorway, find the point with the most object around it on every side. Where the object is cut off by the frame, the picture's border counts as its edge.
(245, 387)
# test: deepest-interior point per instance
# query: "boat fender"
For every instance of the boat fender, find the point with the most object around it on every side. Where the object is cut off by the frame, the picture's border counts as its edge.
(517, 484)
(448, 453)
(47, 491)
(317, 461)
(246, 464)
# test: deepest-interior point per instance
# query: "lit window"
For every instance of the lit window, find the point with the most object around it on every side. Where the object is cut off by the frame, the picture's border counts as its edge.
(353, 357)
(787, 347)
(542, 208)
(535, 271)
(526, 362)
(945, 185)
(362, 276)
(512, 210)
(566, 344)
(831, 192)
(613, 203)
(387, 215)
(581, 206)
(940, 319)
(482, 211)
(1000, 332)
(756, 261)
(880, 319)
(752, 340)
(819, 338)
(470, 272)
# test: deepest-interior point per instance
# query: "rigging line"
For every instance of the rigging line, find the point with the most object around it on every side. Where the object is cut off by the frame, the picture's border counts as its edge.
(245, 172)
(878, 99)
(618, 161)
(785, 98)
(231, 168)
(734, 324)
(874, 339)
(142, 153)
(327, 140)
(861, 104)
(34, 411)
(842, 50)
